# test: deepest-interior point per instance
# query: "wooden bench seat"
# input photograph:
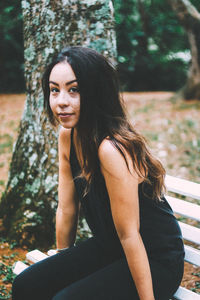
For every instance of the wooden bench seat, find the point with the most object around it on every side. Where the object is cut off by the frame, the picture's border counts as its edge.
(190, 233)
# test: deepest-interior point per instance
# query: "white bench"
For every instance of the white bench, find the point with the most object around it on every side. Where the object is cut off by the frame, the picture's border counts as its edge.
(190, 233)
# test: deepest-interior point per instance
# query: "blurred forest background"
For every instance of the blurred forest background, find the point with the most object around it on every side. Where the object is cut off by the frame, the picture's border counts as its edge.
(153, 49)
(153, 54)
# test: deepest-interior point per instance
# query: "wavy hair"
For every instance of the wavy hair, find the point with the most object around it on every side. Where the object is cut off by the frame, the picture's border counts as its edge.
(102, 115)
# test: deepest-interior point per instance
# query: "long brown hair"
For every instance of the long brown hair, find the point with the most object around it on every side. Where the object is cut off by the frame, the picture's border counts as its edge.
(102, 115)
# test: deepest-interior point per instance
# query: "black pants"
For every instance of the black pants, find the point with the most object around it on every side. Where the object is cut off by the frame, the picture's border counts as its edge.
(86, 272)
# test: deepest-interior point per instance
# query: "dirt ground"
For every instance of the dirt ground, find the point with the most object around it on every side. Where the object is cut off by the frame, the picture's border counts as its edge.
(152, 114)
(11, 108)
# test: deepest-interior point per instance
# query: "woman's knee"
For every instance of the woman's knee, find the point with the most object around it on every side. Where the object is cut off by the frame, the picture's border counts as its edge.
(60, 296)
(23, 285)
(19, 287)
(71, 292)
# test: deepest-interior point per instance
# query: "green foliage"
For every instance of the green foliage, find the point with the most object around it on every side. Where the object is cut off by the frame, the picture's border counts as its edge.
(4, 294)
(197, 286)
(11, 47)
(83, 230)
(8, 277)
(152, 45)
(153, 50)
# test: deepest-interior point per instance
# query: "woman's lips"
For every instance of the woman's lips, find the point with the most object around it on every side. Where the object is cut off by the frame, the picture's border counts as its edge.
(65, 115)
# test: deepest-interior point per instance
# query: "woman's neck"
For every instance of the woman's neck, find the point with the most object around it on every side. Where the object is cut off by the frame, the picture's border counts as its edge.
(77, 147)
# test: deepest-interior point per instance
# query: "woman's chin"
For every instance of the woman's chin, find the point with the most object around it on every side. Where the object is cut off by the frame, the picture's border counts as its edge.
(67, 126)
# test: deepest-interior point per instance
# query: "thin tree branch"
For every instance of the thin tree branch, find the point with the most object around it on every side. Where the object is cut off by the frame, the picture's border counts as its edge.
(186, 12)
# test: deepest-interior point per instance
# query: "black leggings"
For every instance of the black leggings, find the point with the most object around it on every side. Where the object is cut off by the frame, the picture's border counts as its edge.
(86, 272)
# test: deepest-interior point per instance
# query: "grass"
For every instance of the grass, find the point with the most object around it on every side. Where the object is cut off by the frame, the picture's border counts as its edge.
(172, 129)
(6, 143)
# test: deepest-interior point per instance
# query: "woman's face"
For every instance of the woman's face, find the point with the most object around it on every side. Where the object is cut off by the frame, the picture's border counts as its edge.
(64, 96)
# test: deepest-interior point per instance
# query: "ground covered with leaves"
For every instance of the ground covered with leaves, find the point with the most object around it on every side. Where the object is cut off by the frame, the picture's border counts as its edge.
(171, 126)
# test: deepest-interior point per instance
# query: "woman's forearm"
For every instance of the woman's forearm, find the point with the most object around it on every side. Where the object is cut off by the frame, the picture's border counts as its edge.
(139, 266)
(66, 227)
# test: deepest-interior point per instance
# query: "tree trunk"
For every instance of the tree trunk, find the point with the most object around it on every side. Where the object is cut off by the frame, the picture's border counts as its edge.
(30, 199)
(144, 20)
(190, 19)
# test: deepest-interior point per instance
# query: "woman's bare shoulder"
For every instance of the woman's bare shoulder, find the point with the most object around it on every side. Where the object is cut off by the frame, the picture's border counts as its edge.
(112, 160)
(110, 157)
(106, 147)
(107, 150)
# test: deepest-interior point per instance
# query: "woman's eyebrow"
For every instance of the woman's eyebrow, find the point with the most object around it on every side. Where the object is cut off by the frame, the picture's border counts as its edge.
(70, 82)
(67, 83)
(53, 83)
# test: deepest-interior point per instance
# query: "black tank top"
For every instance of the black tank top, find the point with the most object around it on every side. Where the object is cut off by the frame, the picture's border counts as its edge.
(159, 228)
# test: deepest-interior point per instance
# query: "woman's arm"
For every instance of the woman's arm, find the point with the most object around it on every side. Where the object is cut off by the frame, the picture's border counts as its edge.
(67, 211)
(122, 186)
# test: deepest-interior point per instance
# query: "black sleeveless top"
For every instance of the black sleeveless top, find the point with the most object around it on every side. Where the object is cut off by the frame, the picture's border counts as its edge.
(159, 228)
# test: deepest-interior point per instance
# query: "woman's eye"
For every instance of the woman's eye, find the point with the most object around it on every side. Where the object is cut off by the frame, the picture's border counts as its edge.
(74, 89)
(54, 90)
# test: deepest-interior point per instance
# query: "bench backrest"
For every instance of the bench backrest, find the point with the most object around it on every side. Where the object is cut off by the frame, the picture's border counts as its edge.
(190, 233)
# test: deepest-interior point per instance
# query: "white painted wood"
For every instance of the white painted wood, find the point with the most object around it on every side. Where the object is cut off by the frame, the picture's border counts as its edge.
(184, 208)
(190, 233)
(183, 187)
(35, 256)
(184, 294)
(19, 267)
(192, 255)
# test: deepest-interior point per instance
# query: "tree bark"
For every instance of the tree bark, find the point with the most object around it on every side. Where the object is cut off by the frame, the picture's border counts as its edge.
(30, 199)
(190, 19)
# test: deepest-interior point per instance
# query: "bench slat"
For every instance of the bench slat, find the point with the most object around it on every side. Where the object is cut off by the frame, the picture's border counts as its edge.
(190, 233)
(183, 187)
(192, 255)
(19, 266)
(184, 208)
(35, 256)
(184, 294)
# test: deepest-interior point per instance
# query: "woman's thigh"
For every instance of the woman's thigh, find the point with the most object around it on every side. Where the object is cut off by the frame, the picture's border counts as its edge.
(114, 282)
(43, 279)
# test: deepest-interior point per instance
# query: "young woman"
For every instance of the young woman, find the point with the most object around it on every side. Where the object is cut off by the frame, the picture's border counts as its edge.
(136, 251)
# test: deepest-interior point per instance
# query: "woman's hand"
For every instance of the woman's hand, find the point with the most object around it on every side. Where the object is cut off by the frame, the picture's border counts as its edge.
(51, 252)
(56, 251)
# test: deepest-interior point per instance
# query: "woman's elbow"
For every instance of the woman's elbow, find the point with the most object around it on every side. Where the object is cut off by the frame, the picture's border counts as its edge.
(66, 211)
(129, 237)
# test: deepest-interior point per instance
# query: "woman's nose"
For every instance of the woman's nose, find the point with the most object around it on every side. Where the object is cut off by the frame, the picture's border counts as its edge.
(63, 99)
